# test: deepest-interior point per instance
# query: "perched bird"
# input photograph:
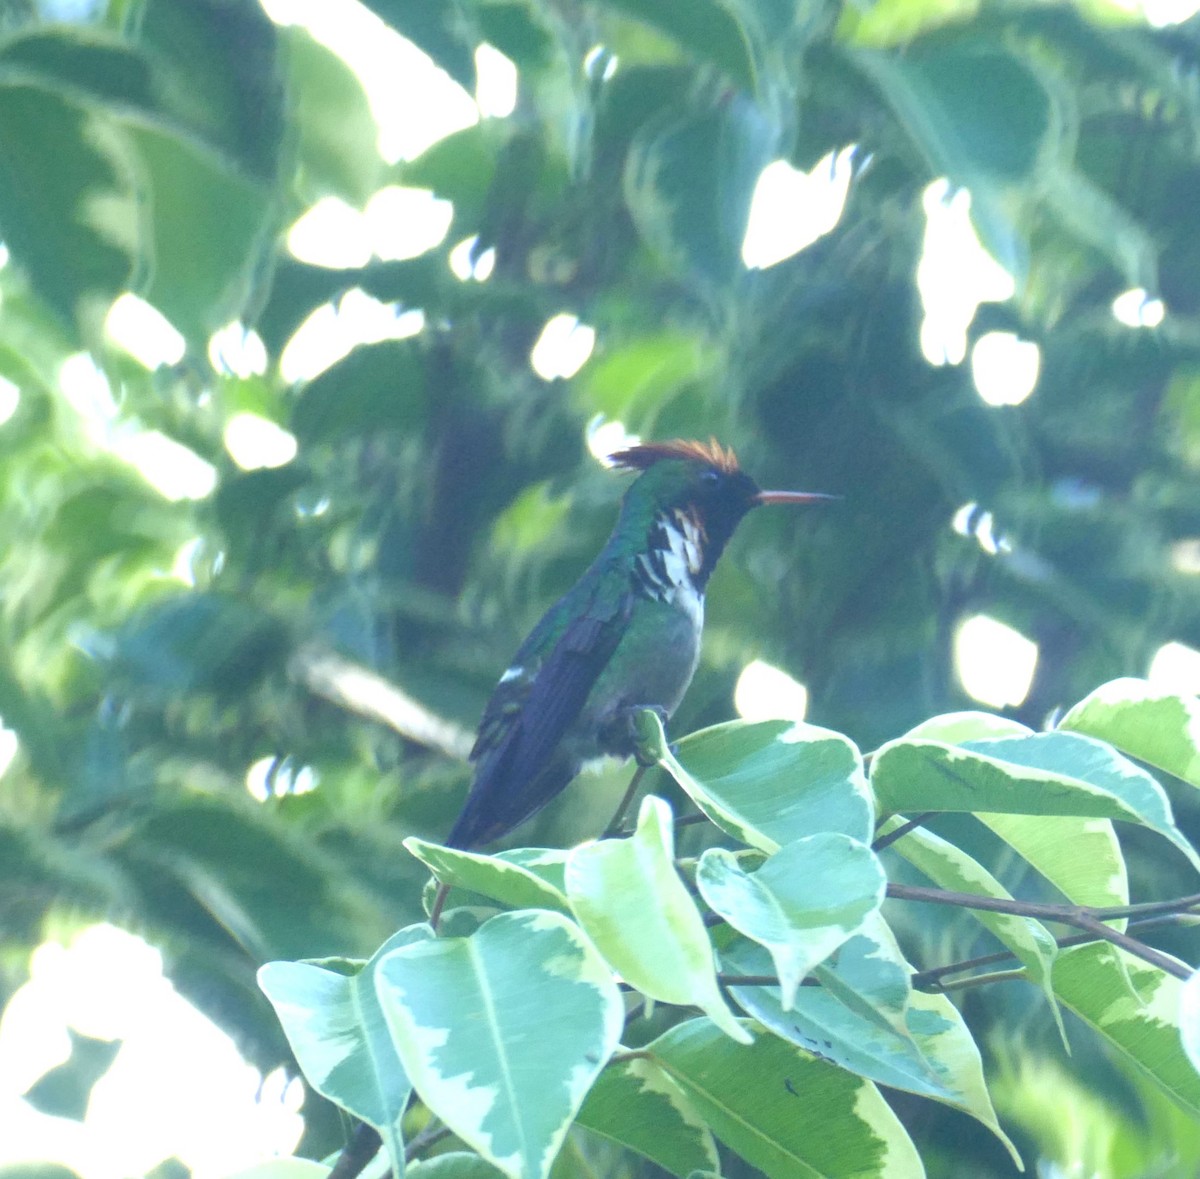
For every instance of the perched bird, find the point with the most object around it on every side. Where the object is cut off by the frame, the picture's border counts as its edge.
(626, 636)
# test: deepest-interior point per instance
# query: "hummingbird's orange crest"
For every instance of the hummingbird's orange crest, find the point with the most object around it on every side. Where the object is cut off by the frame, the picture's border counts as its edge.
(646, 454)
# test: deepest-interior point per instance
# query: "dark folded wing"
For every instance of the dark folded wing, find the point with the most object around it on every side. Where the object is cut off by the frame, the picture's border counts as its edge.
(526, 720)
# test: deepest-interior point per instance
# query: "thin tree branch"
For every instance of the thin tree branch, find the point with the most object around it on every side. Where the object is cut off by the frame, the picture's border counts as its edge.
(357, 1153)
(362, 691)
(901, 831)
(431, 1135)
(1078, 916)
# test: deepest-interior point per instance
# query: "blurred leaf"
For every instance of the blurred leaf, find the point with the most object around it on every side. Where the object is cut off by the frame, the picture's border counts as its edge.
(65, 1090)
(199, 642)
(464, 1011)
(707, 29)
(76, 238)
(376, 387)
(207, 228)
(441, 28)
(631, 903)
(337, 147)
(688, 185)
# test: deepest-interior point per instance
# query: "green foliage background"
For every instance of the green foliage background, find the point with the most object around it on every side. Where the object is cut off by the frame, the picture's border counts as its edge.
(442, 495)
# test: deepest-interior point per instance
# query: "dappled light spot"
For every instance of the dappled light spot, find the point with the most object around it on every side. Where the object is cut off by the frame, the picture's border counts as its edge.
(87, 392)
(331, 234)
(237, 350)
(764, 692)
(414, 102)
(10, 398)
(995, 663)
(9, 744)
(406, 222)
(272, 777)
(1175, 668)
(1185, 555)
(466, 266)
(606, 437)
(563, 347)
(144, 332)
(600, 63)
(255, 442)
(955, 274)
(175, 471)
(495, 83)
(330, 332)
(791, 209)
(972, 520)
(1004, 367)
(1135, 308)
(108, 984)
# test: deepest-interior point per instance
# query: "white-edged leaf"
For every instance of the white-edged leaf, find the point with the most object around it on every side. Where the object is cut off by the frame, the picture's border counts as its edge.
(635, 1103)
(803, 903)
(501, 878)
(935, 1056)
(1135, 1007)
(951, 868)
(1036, 774)
(783, 1110)
(771, 782)
(956, 728)
(1189, 1019)
(457, 1164)
(504, 1032)
(1157, 727)
(1080, 857)
(334, 1023)
(630, 900)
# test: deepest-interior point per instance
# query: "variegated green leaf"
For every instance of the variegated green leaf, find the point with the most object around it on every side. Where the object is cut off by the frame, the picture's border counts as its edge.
(1140, 1021)
(499, 877)
(629, 898)
(783, 1110)
(803, 903)
(933, 1055)
(634, 1102)
(1039, 774)
(1189, 1019)
(773, 782)
(1157, 727)
(503, 1032)
(333, 1021)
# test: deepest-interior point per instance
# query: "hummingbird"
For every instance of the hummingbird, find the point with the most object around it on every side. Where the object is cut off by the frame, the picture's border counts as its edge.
(625, 637)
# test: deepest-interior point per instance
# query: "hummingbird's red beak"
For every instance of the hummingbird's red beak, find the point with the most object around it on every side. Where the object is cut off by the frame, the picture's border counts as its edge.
(793, 497)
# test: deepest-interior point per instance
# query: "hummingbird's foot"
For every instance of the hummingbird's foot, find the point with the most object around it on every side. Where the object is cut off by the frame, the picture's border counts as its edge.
(622, 734)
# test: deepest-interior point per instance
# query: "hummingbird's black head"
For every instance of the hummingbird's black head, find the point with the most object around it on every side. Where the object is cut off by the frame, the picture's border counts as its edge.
(699, 482)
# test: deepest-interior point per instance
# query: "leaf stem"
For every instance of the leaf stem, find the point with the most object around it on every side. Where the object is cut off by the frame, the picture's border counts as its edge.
(614, 824)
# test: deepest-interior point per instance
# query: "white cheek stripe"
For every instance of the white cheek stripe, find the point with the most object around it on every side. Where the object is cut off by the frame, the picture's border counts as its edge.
(513, 673)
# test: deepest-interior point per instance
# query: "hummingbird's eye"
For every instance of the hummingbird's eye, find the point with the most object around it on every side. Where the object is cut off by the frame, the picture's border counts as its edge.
(710, 477)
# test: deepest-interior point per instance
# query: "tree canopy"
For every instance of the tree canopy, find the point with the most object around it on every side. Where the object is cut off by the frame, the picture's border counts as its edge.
(330, 621)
